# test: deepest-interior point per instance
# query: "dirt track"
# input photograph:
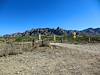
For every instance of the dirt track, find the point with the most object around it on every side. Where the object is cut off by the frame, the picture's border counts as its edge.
(70, 60)
(92, 48)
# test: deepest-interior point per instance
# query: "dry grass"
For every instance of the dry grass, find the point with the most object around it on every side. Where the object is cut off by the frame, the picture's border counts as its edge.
(72, 60)
(14, 48)
(19, 47)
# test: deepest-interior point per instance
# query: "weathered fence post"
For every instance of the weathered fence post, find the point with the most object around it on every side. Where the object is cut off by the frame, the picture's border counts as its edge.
(39, 36)
(74, 36)
(89, 39)
(54, 38)
(33, 42)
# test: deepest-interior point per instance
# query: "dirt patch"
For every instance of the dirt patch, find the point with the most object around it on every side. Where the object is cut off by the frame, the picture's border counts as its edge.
(55, 61)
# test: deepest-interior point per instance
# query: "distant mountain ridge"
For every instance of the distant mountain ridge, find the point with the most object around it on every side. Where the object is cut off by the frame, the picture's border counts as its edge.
(57, 31)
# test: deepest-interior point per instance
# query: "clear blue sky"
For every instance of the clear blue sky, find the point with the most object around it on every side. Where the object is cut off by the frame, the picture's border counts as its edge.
(21, 15)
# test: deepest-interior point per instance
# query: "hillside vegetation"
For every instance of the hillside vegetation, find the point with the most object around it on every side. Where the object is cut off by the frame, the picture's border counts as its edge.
(87, 35)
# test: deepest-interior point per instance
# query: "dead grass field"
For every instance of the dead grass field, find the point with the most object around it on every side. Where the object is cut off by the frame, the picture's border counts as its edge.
(70, 60)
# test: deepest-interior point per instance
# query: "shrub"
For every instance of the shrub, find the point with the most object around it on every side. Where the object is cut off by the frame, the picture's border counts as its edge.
(9, 49)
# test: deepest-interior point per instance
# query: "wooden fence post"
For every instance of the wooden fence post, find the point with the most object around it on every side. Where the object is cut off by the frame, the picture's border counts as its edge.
(54, 38)
(74, 36)
(39, 36)
(89, 39)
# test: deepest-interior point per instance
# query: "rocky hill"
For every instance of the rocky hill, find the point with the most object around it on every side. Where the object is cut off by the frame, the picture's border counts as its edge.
(57, 31)
(90, 32)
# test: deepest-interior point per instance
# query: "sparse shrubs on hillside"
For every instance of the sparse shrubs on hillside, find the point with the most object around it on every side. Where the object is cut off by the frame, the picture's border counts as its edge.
(63, 38)
(88, 39)
(83, 39)
(25, 38)
(95, 39)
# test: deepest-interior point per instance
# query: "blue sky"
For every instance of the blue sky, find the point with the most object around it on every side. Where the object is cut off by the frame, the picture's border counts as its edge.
(21, 15)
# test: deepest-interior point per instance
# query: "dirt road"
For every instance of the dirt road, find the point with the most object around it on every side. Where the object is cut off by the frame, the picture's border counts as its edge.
(92, 48)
